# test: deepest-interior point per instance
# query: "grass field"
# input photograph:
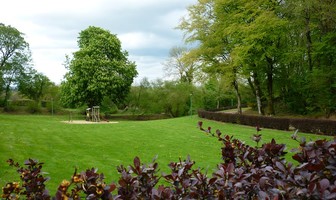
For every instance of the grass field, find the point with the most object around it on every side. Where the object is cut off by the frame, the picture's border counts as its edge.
(62, 146)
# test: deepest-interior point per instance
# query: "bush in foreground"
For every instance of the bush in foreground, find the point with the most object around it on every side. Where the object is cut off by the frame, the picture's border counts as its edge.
(245, 173)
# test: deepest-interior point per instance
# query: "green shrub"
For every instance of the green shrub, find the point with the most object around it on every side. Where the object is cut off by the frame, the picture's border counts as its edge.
(10, 108)
(53, 107)
(22, 102)
(108, 107)
(34, 107)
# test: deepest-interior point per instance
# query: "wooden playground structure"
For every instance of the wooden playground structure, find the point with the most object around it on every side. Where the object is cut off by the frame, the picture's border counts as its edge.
(92, 114)
(92, 117)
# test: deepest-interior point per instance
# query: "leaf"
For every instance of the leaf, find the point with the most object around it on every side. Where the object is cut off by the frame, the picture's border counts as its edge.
(180, 172)
(263, 195)
(122, 183)
(263, 181)
(331, 196)
(238, 185)
(280, 166)
(230, 168)
(324, 184)
(136, 162)
(155, 158)
(298, 157)
(311, 187)
(212, 181)
(112, 187)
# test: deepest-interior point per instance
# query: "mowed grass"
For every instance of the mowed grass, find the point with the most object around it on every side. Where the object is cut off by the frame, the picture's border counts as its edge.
(63, 147)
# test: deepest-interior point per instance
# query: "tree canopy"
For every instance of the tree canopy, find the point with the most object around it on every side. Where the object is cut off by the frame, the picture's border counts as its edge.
(15, 57)
(285, 50)
(98, 69)
(34, 85)
(179, 67)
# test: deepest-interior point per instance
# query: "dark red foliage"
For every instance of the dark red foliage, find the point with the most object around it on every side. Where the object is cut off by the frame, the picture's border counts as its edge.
(33, 182)
(209, 130)
(218, 133)
(138, 181)
(88, 185)
(200, 124)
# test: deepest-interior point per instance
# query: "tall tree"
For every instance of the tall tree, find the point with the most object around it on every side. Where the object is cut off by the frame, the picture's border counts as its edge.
(284, 49)
(12, 73)
(213, 52)
(179, 66)
(34, 85)
(257, 29)
(239, 38)
(15, 56)
(12, 45)
(98, 69)
(312, 36)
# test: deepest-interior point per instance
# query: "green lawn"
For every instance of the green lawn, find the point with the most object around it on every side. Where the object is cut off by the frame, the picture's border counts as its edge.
(62, 146)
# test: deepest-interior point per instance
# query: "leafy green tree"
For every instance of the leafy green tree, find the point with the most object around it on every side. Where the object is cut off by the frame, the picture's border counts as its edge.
(34, 85)
(204, 27)
(239, 39)
(179, 66)
(14, 57)
(257, 29)
(140, 99)
(177, 98)
(312, 34)
(51, 97)
(173, 98)
(12, 72)
(217, 93)
(98, 69)
(284, 50)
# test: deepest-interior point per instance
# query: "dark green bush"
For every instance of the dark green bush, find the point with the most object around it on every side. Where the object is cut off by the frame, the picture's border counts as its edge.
(10, 108)
(137, 117)
(33, 107)
(21, 102)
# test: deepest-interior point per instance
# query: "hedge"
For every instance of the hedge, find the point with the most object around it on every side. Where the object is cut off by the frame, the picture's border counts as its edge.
(317, 126)
(138, 117)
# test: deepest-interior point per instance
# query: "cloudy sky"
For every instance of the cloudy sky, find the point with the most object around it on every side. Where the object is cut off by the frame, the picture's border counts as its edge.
(145, 28)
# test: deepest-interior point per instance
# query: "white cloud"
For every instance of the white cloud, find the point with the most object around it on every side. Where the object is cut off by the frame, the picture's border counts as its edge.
(150, 67)
(142, 40)
(145, 28)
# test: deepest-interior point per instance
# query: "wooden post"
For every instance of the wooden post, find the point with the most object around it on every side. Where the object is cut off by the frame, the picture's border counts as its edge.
(95, 114)
(70, 116)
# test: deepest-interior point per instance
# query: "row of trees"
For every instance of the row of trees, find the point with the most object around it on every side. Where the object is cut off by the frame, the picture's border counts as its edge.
(99, 73)
(284, 50)
(177, 98)
(277, 54)
(99, 70)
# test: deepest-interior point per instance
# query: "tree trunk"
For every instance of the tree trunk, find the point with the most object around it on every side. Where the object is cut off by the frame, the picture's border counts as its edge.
(255, 86)
(309, 40)
(259, 104)
(270, 98)
(235, 85)
(7, 95)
